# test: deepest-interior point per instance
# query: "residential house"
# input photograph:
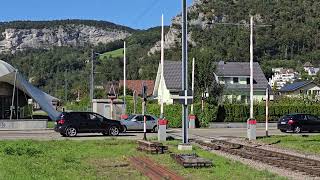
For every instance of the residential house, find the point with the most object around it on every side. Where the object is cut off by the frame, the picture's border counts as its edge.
(300, 89)
(168, 86)
(136, 85)
(282, 77)
(310, 69)
(236, 79)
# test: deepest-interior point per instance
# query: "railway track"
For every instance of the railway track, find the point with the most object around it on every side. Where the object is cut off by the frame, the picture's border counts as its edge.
(152, 170)
(307, 166)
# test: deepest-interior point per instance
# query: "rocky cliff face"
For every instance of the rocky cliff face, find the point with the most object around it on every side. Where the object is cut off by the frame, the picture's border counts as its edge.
(196, 17)
(68, 35)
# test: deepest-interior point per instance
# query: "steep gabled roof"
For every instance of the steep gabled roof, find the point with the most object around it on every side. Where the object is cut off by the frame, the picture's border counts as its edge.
(294, 86)
(307, 64)
(237, 69)
(172, 75)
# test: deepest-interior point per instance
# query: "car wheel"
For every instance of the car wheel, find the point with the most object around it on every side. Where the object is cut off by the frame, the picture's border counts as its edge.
(155, 129)
(114, 131)
(282, 130)
(63, 134)
(71, 131)
(297, 129)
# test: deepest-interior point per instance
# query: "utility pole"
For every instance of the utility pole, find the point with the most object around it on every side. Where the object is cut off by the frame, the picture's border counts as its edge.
(192, 83)
(124, 77)
(251, 123)
(251, 67)
(162, 123)
(184, 72)
(91, 79)
(65, 86)
(267, 112)
(162, 65)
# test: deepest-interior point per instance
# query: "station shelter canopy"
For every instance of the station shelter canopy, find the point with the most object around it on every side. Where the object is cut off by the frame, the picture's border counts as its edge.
(11, 75)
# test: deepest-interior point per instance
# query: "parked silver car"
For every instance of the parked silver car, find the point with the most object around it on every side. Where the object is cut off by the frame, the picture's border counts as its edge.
(135, 123)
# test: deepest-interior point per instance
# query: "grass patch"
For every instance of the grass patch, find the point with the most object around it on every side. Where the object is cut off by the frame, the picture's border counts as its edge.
(103, 159)
(113, 54)
(66, 159)
(50, 124)
(223, 168)
(306, 144)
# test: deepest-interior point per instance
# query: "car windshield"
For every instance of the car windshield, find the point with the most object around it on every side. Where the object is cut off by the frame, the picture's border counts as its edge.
(130, 117)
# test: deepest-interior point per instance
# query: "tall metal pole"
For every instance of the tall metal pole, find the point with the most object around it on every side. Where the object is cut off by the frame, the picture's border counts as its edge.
(251, 67)
(124, 77)
(91, 79)
(192, 85)
(162, 65)
(184, 72)
(267, 112)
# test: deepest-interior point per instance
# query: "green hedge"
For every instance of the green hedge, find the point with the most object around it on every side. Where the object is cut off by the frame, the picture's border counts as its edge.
(240, 112)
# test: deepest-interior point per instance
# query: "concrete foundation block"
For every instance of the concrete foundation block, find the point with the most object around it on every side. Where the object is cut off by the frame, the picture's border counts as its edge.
(185, 147)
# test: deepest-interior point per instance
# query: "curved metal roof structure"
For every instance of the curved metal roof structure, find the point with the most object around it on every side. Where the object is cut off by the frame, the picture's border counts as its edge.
(8, 74)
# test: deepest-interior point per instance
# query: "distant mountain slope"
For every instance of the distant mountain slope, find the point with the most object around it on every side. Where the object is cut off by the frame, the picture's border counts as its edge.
(22, 35)
(293, 34)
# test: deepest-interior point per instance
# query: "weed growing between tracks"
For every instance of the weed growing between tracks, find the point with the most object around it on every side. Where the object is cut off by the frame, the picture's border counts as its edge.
(306, 144)
(103, 159)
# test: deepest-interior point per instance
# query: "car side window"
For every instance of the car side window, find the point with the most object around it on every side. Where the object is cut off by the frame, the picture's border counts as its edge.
(81, 117)
(99, 117)
(139, 118)
(93, 117)
(150, 118)
(310, 117)
(300, 117)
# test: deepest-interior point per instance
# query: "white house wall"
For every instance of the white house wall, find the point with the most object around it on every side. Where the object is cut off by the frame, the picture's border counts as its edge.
(164, 93)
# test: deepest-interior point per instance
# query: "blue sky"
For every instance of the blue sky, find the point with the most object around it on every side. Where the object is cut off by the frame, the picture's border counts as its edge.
(140, 14)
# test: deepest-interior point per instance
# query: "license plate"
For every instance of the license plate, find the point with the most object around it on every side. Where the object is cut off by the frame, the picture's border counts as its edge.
(283, 123)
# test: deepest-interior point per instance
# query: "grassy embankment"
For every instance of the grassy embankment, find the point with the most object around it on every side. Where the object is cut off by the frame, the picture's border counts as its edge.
(113, 54)
(67, 159)
(306, 144)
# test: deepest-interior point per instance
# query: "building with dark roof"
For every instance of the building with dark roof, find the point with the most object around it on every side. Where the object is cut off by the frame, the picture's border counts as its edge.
(169, 86)
(236, 79)
(299, 89)
(234, 75)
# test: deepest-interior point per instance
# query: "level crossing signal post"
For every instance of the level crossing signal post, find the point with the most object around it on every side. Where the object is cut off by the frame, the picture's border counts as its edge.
(144, 96)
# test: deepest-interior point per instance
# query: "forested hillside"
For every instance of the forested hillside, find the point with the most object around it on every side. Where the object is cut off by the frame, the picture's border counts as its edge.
(219, 30)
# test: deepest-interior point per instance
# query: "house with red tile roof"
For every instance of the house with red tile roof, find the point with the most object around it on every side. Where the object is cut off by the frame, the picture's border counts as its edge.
(136, 85)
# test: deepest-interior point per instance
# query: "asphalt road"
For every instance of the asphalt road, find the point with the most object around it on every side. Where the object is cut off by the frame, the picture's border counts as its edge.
(208, 133)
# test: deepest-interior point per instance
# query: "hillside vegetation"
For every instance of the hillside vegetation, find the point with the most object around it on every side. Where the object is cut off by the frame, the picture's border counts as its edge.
(292, 39)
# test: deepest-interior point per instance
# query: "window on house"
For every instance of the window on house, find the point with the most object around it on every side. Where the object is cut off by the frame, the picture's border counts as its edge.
(235, 80)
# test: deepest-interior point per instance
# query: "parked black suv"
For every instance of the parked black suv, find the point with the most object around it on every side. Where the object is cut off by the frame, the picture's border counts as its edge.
(299, 122)
(72, 123)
